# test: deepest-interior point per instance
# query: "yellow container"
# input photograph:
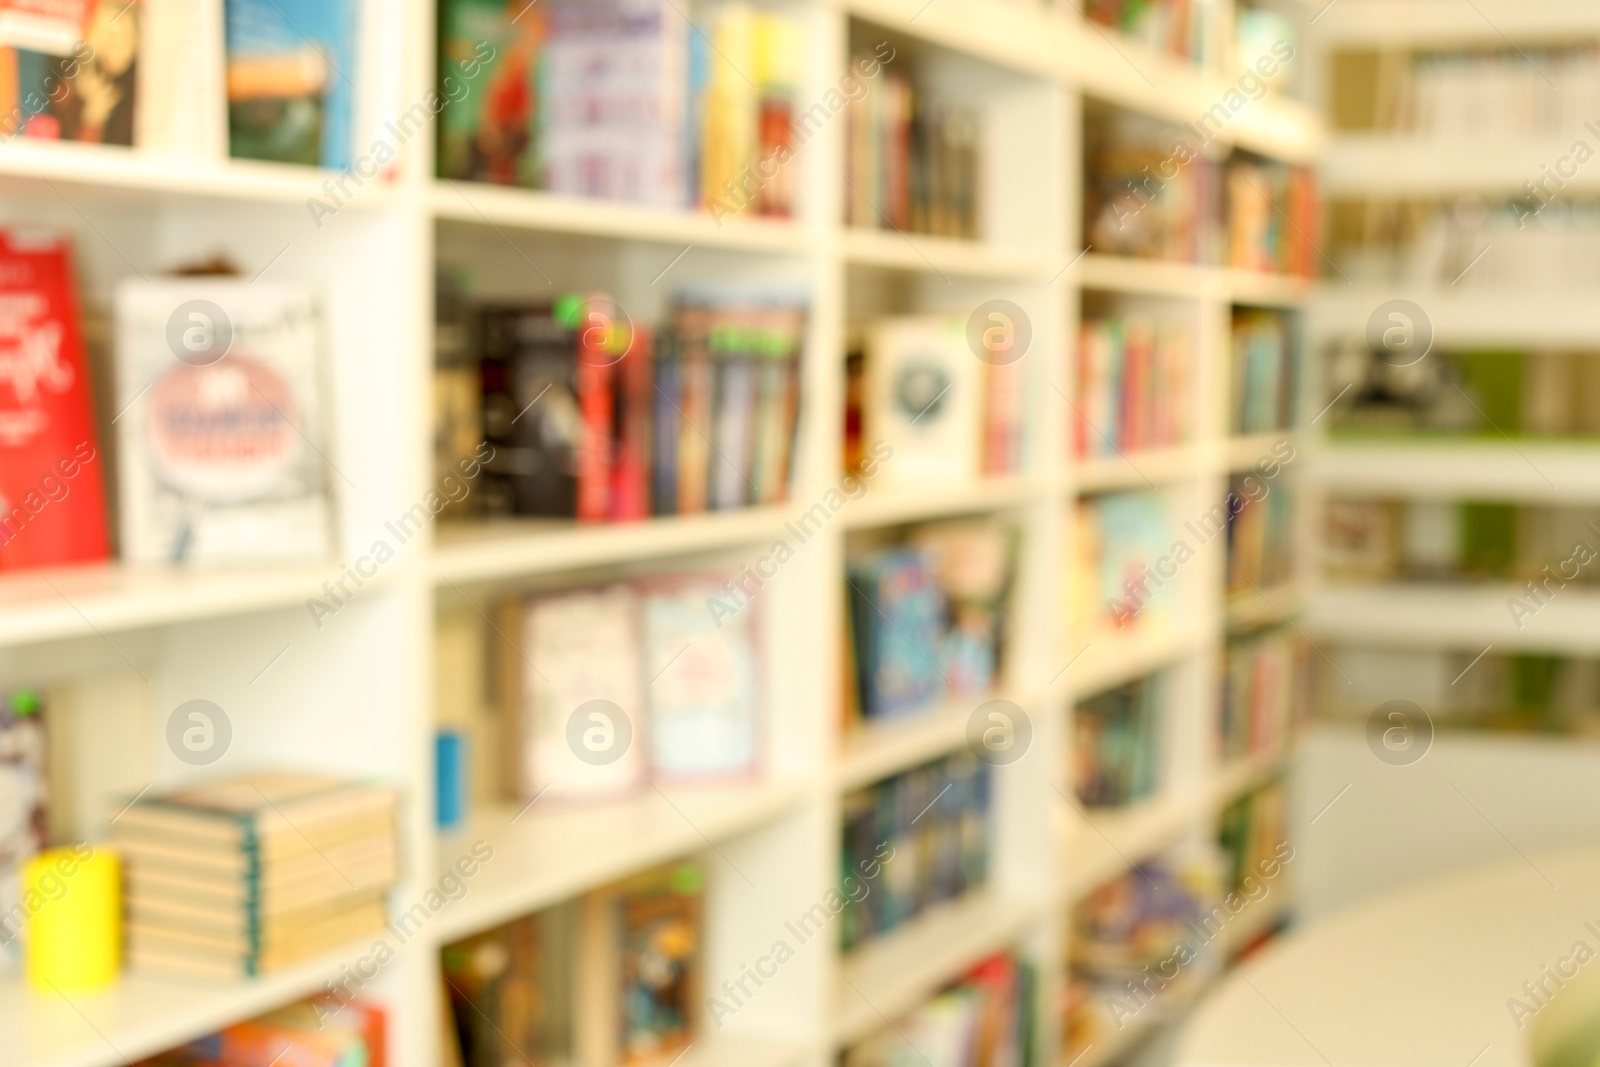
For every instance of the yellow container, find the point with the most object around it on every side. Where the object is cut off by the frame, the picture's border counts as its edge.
(73, 897)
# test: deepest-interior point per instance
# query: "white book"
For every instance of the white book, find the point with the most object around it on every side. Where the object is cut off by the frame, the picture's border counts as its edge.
(223, 451)
(924, 397)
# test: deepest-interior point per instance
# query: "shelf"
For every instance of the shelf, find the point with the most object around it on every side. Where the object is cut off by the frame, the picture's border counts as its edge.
(556, 850)
(142, 1015)
(1248, 609)
(1530, 470)
(57, 603)
(1401, 164)
(1190, 281)
(504, 206)
(743, 1052)
(110, 169)
(1469, 316)
(878, 750)
(1242, 453)
(505, 548)
(897, 250)
(1464, 616)
(891, 975)
(886, 507)
(1115, 658)
(1445, 23)
(1136, 470)
(1102, 843)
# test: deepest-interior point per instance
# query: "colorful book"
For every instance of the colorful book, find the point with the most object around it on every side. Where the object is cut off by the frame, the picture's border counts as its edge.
(292, 77)
(69, 70)
(491, 55)
(24, 797)
(52, 496)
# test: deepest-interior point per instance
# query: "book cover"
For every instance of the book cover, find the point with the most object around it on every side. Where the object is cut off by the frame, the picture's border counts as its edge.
(291, 80)
(924, 396)
(224, 453)
(490, 56)
(69, 69)
(897, 611)
(23, 808)
(704, 697)
(52, 496)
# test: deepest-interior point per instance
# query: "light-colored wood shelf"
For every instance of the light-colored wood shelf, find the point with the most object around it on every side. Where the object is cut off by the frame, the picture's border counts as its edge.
(918, 253)
(884, 507)
(1189, 281)
(1454, 615)
(1135, 470)
(878, 750)
(1469, 316)
(1111, 659)
(1524, 469)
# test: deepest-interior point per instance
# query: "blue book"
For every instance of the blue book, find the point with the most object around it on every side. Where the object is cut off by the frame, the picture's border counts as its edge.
(292, 81)
(897, 612)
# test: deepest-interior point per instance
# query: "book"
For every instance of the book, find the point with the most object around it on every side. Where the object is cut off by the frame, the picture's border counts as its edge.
(292, 76)
(303, 1034)
(52, 496)
(1264, 365)
(982, 1019)
(1261, 680)
(1182, 28)
(896, 614)
(575, 694)
(1118, 540)
(1117, 743)
(491, 55)
(508, 990)
(224, 448)
(923, 395)
(1134, 376)
(69, 70)
(24, 798)
(912, 162)
(1260, 536)
(638, 979)
(704, 695)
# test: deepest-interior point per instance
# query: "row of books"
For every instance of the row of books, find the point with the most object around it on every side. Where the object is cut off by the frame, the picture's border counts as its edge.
(1260, 535)
(1182, 28)
(1115, 544)
(1134, 381)
(985, 1018)
(1117, 743)
(915, 385)
(605, 690)
(1372, 539)
(272, 80)
(926, 831)
(302, 1034)
(614, 977)
(1539, 243)
(221, 427)
(1262, 676)
(1144, 201)
(1505, 93)
(623, 99)
(1512, 692)
(926, 618)
(1485, 393)
(1253, 833)
(911, 161)
(1265, 344)
(246, 875)
(593, 417)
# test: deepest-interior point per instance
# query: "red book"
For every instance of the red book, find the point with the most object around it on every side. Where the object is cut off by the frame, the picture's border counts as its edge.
(630, 472)
(596, 382)
(52, 500)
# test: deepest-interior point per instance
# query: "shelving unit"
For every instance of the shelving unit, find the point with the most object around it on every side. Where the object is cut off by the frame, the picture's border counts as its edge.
(361, 693)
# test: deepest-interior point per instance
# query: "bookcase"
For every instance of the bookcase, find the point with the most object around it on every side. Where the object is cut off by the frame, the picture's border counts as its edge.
(362, 692)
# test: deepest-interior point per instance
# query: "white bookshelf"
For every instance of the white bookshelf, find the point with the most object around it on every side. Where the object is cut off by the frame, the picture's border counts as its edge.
(364, 693)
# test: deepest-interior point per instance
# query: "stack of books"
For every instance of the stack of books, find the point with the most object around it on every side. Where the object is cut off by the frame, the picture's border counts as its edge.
(248, 874)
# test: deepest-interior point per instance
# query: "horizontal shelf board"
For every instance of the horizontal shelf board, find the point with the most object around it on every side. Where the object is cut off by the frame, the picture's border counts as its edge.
(1242, 453)
(1464, 616)
(504, 548)
(1190, 281)
(1400, 164)
(67, 602)
(142, 1015)
(1248, 608)
(112, 169)
(483, 204)
(1484, 469)
(557, 850)
(1443, 23)
(730, 1051)
(1112, 659)
(1497, 316)
(887, 977)
(898, 250)
(1135, 470)
(883, 507)
(878, 750)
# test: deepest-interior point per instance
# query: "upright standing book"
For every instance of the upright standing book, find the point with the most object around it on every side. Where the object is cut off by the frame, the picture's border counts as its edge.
(292, 81)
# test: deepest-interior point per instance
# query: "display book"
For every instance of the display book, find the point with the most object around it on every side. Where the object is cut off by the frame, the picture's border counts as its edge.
(1117, 743)
(291, 82)
(913, 160)
(605, 690)
(225, 448)
(910, 842)
(70, 70)
(637, 100)
(314, 1033)
(594, 417)
(985, 1018)
(1134, 380)
(613, 977)
(948, 411)
(247, 874)
(926, 618)
(24, 811)
(1126, 553)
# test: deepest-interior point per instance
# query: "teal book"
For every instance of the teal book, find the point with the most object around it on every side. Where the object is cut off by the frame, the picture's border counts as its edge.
(292, 81)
